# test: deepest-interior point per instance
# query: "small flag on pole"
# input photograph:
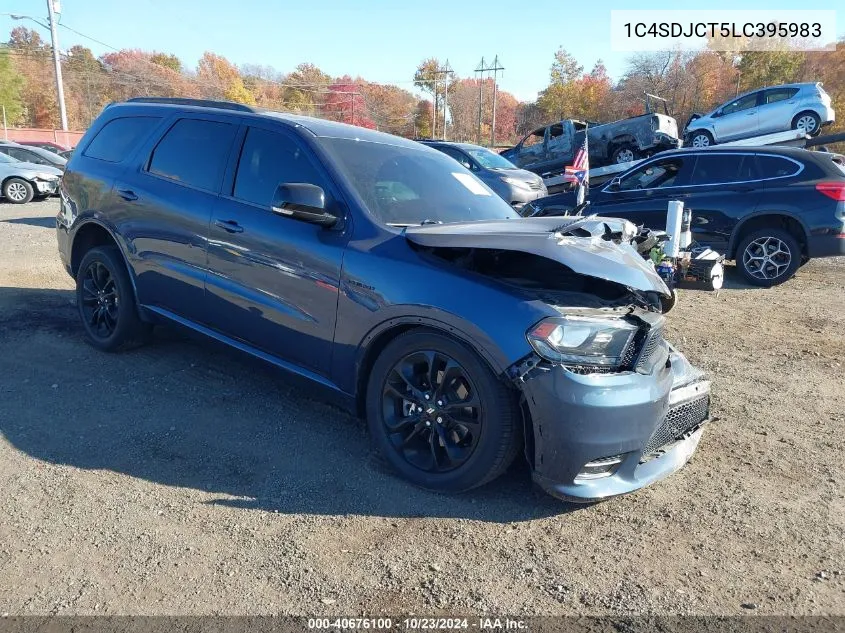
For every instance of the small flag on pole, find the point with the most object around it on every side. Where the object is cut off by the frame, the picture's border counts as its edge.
(579, 171)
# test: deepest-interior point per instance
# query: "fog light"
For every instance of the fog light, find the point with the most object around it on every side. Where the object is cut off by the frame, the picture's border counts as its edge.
(603, 467)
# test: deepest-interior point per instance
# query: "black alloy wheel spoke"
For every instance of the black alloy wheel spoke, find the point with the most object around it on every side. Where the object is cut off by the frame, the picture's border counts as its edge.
(99, 300)
(431, 411)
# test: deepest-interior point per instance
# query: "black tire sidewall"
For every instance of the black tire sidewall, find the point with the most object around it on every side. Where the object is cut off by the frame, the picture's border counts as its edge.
(496, 404)
(787, 238)
(127, 319)
(703, 133)
(30, 189)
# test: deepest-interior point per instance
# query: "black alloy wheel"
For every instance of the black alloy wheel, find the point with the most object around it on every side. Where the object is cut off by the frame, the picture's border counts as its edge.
(100, 300)
(106, 302)
(439, 415)
(431, 411)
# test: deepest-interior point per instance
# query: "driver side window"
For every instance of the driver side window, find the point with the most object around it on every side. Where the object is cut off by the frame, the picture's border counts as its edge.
(653, 176)
(533, 139)
(743, 103)
(458, 156)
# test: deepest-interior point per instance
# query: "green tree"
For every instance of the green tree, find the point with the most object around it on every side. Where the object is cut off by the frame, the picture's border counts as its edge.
(769, 68)
(11, 83)
(167, 60)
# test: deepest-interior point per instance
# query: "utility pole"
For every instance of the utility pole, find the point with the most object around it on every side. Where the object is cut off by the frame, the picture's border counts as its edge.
(496, 68)
(54, 37)
(481, 70)
(446, 71)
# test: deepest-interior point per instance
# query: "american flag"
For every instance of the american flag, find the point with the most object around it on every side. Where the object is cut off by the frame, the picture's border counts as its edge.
(580, 168)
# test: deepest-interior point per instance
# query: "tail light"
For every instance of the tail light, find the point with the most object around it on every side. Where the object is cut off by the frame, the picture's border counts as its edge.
(835, 190)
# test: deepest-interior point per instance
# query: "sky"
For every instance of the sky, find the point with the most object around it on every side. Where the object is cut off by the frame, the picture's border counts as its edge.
(379, 40)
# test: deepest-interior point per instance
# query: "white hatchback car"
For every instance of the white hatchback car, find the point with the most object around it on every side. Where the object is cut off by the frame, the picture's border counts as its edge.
(765, 111)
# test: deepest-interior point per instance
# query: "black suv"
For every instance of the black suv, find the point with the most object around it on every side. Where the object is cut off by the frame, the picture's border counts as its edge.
(770, 208)
(387, 273)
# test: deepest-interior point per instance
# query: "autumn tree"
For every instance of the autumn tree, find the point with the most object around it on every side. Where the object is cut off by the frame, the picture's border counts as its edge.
(220, 77)
(423, 116)
(390, 107)
(167, 60)
(304, 88)
(344, 102)
(32, 59)
(11, 84)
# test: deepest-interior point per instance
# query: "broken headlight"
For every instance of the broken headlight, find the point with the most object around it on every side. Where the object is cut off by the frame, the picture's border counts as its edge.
(582, 339)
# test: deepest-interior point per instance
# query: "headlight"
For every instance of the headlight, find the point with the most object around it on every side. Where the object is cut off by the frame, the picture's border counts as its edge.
(516, 182)
(582, 340)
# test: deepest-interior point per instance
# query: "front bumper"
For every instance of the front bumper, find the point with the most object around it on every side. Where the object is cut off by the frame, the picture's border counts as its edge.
(649, 423)
(520, 196)
(46, 187)
(663, 141)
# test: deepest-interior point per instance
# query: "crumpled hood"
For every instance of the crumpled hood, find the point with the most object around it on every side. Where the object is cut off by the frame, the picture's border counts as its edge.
(591, 256)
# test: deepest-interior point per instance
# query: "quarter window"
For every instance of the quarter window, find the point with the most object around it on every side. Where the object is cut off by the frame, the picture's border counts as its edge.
(269, 159)
(776, 167)
(780, 94)
(194, 152)
(119, 136)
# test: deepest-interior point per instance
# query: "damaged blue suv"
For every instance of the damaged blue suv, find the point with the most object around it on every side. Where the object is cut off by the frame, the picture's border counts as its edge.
(387, 273)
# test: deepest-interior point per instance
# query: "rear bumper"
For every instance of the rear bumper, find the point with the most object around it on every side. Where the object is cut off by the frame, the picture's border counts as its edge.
(663, 141)
(649, 424)
(826, 245)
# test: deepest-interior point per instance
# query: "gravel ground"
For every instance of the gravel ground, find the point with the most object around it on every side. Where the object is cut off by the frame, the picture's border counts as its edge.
(183, 478)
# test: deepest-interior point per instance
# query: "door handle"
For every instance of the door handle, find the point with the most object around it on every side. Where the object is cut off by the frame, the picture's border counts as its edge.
(229, 225)
(127, 194)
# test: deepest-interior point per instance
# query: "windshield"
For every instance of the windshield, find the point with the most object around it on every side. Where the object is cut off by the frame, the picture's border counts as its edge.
(402, 186)
(7, 159)
(490, 160)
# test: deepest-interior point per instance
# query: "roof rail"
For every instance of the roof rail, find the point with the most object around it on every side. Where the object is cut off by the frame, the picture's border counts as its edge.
(205, 103)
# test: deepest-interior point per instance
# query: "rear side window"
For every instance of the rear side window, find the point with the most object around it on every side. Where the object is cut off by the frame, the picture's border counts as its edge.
(780, 94)
(269, 159)
(715, 169)
(194, 152)
(776, 167)
(655, 175)
(119, 136)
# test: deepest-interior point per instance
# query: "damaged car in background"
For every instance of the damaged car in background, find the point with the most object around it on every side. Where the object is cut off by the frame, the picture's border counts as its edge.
(549, 149)
(388, 274)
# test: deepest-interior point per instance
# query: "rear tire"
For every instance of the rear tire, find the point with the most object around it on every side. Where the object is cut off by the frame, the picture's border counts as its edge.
(18, 191)
(625, 154)
(810, 122)
(434, 442)
(106, 302)
(768, 257)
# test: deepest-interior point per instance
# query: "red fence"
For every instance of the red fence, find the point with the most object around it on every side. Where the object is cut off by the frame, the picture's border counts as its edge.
(68, 139)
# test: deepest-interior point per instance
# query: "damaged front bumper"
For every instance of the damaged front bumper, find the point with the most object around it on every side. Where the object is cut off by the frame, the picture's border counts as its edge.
(596, 436)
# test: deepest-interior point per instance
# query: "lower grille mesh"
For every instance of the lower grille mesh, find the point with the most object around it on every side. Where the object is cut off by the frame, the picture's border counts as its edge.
(680, 420)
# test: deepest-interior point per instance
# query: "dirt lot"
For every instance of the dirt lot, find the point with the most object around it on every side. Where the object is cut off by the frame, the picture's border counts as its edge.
(184, 478)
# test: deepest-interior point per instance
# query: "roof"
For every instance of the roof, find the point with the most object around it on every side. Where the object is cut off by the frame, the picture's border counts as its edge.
(466, 146)
(783, 150)
(318, 127)
(795, 85)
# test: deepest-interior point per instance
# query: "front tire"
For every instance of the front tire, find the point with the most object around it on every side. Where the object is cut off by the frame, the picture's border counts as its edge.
(106, 302)
(18, 191)
(438, 414)
(701, 139)
(768, 257)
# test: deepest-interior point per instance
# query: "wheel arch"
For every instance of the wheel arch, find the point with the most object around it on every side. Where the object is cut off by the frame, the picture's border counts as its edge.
(90, 234)
(16, 177)
(381, 335)
(777, 219)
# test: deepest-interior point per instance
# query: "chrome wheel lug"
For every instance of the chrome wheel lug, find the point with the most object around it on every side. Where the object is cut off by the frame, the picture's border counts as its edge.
(439, 420)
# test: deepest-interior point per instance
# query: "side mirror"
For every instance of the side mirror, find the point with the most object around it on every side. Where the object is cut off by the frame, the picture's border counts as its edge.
(304, 202)
(615, 184)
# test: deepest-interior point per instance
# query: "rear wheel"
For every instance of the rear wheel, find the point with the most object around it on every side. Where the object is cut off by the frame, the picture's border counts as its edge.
(768, 257)
(438, 415)
(808, 122)
(18, 191)
(106, 302)
(625, 154)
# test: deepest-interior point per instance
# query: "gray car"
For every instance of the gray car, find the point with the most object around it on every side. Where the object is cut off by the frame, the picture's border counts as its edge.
(23, 181)
(804, 107)
(514, 185)
(30, 154)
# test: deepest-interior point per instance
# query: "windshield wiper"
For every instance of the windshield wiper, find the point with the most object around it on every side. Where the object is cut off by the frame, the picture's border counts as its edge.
(405, 225)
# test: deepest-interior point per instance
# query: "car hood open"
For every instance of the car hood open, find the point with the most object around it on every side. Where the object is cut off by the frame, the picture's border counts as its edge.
(591, 256)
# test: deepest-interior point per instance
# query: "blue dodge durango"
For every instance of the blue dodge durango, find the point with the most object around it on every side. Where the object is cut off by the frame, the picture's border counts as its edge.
(385, 272)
